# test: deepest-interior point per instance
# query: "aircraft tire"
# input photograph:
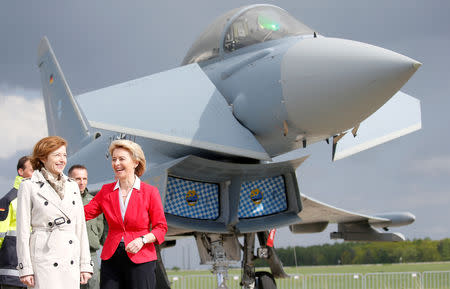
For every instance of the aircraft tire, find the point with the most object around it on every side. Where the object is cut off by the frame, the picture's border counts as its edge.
(265, 280)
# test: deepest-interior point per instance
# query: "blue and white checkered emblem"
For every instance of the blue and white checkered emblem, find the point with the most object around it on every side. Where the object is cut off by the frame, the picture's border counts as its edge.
(262, 197)
(191, 199)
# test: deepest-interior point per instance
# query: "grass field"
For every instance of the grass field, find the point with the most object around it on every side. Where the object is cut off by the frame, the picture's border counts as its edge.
(371, 268)
(378, 276)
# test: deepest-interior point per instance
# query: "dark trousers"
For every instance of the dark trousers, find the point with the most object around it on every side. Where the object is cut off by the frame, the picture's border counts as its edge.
(119, 272)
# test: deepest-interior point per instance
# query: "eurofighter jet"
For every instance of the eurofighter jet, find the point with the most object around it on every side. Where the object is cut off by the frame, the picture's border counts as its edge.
(256, 84)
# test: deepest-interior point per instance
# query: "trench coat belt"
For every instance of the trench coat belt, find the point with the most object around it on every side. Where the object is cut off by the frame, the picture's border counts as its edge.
(56, 233)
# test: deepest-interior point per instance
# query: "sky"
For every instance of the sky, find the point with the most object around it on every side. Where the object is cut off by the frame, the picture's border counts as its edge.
(101, 43)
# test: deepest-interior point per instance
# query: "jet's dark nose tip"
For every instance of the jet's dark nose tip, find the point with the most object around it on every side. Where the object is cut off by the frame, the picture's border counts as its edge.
(417, 65)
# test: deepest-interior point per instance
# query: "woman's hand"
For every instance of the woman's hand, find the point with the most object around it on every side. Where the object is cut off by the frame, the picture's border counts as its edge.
(135, 245)
(84, 277)
(28, 280)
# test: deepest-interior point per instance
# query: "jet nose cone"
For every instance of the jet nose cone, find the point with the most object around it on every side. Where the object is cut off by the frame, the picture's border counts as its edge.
(342, 79)
(416, 65)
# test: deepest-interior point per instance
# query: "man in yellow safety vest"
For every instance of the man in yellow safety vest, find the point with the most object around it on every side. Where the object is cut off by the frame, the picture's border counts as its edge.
(9, 275)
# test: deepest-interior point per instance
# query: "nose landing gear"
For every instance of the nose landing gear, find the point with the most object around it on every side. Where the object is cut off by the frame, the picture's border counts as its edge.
(221, 250)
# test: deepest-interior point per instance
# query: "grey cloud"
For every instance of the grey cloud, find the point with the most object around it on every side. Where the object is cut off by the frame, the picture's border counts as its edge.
(435, 165)
(22, 123)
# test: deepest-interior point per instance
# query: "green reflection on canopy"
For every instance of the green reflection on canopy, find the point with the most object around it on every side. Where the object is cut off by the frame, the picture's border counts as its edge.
(267, 23)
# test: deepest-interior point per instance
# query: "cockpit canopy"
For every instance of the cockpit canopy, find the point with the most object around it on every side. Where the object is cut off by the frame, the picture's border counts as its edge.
(244, 26)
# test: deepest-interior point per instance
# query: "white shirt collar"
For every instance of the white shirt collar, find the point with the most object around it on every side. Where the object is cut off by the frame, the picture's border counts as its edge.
(136, 185)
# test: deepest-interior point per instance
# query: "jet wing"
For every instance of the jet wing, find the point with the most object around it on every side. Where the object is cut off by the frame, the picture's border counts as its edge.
(352, 226)
(179, 106)
(399, 116)
(315, 211)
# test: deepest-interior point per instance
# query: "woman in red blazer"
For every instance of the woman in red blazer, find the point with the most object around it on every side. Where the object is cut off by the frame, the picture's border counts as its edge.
(136, 220)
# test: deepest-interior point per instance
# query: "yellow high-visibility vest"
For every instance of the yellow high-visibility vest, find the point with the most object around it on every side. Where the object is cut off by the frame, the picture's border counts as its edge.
(8, 225)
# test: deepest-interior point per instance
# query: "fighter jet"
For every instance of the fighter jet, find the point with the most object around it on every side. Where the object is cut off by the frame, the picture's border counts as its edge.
(256, 84)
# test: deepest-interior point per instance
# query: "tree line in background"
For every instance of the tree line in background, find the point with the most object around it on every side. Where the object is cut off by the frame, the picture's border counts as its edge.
(422, 250)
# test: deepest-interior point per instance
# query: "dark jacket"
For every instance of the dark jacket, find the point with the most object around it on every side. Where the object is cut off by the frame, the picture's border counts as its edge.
(9, 275)
(95, 227)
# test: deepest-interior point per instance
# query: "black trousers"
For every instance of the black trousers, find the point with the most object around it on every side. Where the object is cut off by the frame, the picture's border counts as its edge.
(119, 272)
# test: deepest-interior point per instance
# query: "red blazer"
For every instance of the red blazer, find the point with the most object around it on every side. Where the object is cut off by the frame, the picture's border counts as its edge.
(144, 214)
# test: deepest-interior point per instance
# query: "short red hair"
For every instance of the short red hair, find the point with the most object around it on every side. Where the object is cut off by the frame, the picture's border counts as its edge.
(43, 148)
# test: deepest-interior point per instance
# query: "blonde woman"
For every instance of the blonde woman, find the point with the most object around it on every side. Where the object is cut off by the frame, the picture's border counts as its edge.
(136, 220)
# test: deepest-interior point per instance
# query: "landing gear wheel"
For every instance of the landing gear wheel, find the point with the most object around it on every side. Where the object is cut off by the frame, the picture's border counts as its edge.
(264, 280)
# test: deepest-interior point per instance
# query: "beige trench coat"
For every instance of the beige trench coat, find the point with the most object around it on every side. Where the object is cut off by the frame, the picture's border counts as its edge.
(56, 248)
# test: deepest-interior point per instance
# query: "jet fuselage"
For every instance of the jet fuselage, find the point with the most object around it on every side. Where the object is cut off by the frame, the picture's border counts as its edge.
(300, 90)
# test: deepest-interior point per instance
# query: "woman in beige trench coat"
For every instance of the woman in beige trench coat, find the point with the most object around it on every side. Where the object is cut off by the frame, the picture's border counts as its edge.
(55, 252)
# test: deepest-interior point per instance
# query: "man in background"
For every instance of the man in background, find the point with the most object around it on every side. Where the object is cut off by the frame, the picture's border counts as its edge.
(95, 227)
(9, 275)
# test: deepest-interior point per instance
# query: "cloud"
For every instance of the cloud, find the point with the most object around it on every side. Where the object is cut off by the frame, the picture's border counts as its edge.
(5, 180)
(436, 165)
(22, 123)
(432, 200)
(438, 229)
